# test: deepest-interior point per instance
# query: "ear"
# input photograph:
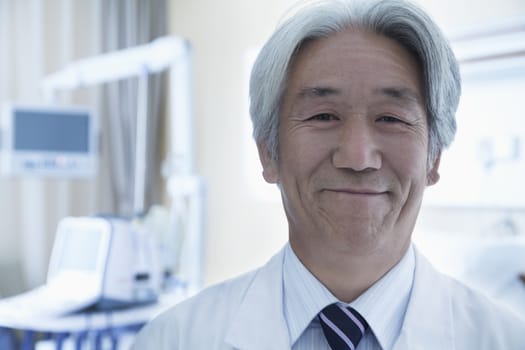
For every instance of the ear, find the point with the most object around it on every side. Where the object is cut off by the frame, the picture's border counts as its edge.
(269, 165)
(433, 172)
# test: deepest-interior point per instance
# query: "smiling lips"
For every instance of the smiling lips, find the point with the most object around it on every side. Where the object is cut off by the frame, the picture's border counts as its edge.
(356, 191)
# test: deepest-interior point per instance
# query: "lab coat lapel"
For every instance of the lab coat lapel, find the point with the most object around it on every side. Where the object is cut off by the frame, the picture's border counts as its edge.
(428, 314)
(259, 323)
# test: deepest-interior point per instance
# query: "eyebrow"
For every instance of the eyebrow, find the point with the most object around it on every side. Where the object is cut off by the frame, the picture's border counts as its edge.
(399, 93)
(318, 91)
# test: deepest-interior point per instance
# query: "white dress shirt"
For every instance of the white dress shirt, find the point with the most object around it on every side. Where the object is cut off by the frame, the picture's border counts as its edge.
(383, 305)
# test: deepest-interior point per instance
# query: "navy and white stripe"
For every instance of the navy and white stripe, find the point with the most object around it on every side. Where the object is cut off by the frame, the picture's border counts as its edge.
(343, 326)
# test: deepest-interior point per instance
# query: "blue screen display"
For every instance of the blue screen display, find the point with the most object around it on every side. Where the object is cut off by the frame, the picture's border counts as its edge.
(53, 131)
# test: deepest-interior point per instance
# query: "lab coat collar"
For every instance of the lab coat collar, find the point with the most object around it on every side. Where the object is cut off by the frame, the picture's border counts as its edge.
(259, 323)
(428, 314)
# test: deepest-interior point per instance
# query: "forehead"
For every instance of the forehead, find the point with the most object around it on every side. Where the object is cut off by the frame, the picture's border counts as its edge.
(352, 53)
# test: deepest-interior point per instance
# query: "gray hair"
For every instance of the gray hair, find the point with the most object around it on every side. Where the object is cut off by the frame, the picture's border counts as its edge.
(398, 20)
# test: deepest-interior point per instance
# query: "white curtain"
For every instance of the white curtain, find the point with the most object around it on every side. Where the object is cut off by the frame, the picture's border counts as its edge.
(39, 37)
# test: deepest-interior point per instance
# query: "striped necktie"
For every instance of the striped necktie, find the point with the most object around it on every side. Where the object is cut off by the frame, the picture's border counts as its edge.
(343, 327)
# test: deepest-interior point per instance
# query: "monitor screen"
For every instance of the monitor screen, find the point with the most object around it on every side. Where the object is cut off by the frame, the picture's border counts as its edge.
(81, 248)
(48, 140)
(53, 131)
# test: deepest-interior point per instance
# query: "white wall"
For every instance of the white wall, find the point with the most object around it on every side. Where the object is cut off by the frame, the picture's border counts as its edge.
(243, 232)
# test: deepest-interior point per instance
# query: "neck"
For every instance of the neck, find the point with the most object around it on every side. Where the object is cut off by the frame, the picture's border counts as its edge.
(347, 271)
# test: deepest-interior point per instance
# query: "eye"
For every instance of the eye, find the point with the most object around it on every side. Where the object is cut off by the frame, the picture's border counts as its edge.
(390, 119)
(323, 117)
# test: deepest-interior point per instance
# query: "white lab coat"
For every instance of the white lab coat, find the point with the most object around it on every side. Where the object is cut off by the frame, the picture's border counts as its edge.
(246, 313)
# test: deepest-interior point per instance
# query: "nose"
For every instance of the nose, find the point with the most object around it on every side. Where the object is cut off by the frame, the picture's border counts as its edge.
(357, 147)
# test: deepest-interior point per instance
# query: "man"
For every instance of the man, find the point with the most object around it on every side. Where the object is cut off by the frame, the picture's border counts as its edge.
(352, 104)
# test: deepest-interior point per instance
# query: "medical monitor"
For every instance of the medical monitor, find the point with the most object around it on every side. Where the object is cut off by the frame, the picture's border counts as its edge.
(80, 250)
(48, 141)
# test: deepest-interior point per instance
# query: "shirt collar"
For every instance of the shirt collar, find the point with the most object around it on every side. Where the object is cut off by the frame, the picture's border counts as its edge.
(383, 305)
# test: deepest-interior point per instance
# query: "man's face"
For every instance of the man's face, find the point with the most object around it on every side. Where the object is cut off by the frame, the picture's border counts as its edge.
(353, 134)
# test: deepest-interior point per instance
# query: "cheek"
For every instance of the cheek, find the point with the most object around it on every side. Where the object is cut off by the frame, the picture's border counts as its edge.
(408, 159)
(303, 152)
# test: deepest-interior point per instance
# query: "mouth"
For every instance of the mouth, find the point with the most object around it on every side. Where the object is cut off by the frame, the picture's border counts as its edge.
(356, 191)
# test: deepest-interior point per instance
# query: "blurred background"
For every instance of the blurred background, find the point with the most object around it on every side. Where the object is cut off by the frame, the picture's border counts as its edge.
(478, 205)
